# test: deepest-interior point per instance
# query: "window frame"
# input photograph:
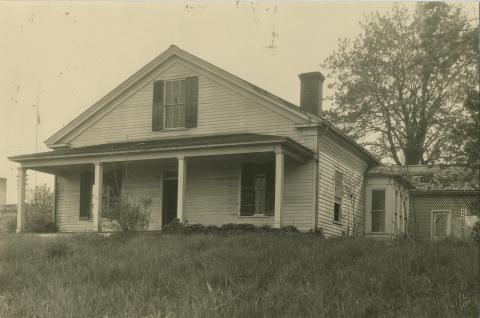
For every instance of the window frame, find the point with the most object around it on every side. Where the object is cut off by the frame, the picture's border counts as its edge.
(240, 190)
(338, 200)
(175, 105)
(372, 211)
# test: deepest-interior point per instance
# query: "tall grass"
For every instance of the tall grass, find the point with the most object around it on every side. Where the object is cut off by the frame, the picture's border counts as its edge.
(248, 275)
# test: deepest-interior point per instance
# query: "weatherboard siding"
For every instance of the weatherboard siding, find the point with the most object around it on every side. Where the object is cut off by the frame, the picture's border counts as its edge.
(212, 193)
(333, 155)
(220, 110)
(68, 205)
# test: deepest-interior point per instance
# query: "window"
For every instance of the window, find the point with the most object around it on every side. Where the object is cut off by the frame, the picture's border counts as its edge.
(337, 204)
(378, 210)
(112, 187)
(175, 103)
(174, 110)
(257, 189)
(86, 188)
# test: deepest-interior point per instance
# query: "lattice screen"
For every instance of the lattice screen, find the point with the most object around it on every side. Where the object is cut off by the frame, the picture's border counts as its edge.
(460, 207)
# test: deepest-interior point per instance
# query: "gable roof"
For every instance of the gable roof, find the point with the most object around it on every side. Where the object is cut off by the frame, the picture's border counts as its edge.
(306, 119)
(154, 64)
(427, 178)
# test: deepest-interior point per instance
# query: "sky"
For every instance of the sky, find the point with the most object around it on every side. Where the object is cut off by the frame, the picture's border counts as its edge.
(64, 56)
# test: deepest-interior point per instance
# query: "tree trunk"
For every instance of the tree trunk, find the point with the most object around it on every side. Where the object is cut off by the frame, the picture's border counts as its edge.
(413, 156)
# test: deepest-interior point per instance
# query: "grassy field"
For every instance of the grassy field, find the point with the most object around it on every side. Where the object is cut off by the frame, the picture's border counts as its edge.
(245, 275)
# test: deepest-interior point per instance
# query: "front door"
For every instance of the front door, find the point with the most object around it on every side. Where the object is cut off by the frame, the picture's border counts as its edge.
(169, 210)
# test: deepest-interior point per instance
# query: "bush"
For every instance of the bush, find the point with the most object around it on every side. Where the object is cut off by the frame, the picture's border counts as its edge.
(127, 215)
(39, 212)
(40, 223)
(225, 229)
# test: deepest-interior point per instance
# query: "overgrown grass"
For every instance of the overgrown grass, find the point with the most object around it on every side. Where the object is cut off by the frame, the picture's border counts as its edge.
(247, 275)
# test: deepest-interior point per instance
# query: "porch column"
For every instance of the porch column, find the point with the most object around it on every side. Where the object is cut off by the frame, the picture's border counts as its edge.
(182, 177)
(279, 176)
(21, 187)
(97, 197)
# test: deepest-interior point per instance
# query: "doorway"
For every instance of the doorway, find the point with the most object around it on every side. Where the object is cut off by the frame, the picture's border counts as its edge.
(440, 224)
(169, 206)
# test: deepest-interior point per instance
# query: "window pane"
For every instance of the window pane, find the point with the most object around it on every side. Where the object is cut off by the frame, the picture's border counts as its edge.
(176, 91)
(336, 212)
(168, 117)
(168, 93)
(378, 200)
(174, 116)
(378, 221)
(181, 96)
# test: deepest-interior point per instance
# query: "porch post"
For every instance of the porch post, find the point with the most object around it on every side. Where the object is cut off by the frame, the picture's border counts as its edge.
(182, 177)
(97, 197)
(279, 179)
(21, 187)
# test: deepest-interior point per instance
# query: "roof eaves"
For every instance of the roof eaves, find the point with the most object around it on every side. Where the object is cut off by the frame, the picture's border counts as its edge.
(457, 192)
(57, 155)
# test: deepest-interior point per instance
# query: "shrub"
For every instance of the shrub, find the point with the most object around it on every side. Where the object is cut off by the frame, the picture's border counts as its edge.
(225, 229)
(40, 222)
(127, 215)
(39, 212)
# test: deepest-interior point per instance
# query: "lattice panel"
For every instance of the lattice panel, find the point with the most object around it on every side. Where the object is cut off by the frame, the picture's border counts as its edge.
(460, 207)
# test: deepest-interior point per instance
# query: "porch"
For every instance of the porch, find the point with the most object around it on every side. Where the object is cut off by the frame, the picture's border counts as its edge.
(210, 180)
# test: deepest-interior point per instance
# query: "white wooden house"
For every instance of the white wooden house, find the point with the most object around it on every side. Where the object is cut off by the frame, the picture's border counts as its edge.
(208, 147)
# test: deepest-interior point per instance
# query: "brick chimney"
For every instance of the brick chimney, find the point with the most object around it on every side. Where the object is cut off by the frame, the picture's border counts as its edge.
(311, 92)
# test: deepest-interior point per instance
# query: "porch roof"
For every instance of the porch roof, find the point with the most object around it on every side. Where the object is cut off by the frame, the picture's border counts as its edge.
(170, 144)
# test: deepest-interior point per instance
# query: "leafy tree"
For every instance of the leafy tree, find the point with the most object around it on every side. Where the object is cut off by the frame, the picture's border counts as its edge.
(399, 86)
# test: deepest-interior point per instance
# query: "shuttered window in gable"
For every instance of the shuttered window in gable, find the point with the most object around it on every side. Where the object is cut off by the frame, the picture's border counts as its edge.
(175, 103)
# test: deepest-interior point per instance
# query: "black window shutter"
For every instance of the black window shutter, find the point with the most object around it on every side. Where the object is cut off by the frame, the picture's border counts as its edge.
(86, 182)
(157, 108)
(270, 188)
(191, 101)
(247, 200)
